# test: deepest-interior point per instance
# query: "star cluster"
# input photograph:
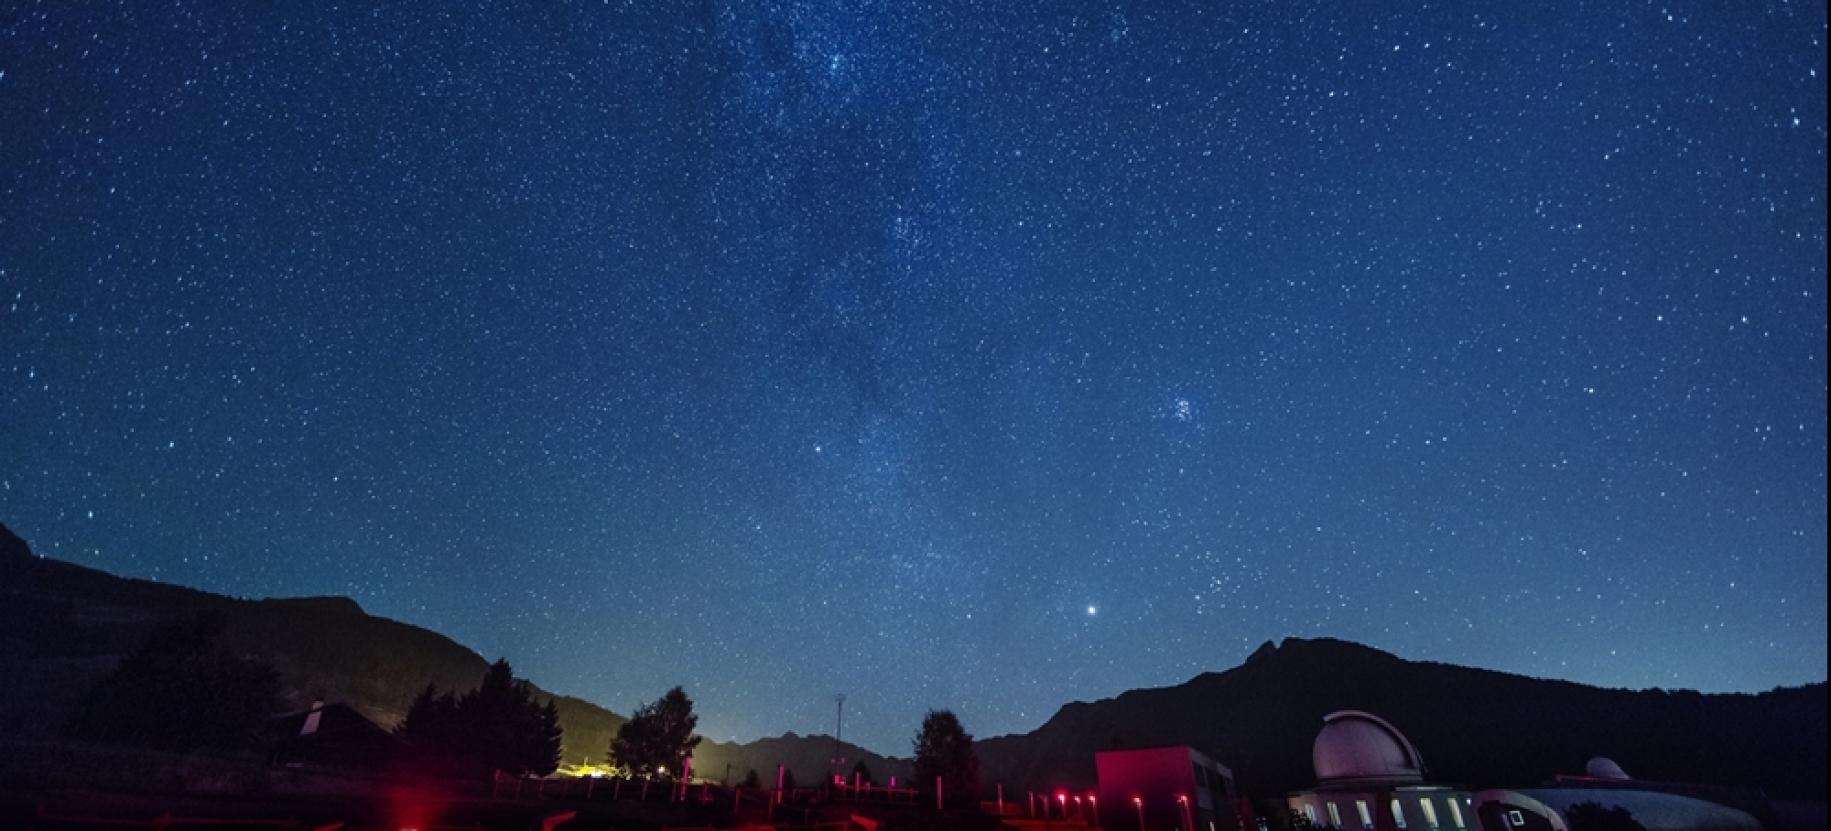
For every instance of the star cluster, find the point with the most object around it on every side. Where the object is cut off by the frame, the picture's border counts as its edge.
(960, 354)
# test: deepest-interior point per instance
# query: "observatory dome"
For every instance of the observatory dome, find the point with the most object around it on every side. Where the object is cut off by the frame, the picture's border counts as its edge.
(1602, 767)
(1361, 747)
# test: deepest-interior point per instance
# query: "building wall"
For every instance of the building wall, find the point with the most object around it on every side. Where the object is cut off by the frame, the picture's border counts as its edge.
(1157, 776)
(1501, 816)
(1348, 816)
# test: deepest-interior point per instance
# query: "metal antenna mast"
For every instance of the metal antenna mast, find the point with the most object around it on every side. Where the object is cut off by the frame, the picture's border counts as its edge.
(839, 730)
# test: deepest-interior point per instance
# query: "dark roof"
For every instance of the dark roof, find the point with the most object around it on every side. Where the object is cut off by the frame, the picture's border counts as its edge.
(336, 719)
(345, 738)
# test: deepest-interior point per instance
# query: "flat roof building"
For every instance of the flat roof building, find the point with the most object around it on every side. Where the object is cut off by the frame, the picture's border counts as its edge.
(1174, 788)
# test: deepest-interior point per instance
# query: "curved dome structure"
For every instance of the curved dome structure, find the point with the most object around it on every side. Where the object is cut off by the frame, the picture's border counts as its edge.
(1357, 747)
(1602, 767)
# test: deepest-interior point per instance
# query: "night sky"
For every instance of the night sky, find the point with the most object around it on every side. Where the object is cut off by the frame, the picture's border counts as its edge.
(962, 355)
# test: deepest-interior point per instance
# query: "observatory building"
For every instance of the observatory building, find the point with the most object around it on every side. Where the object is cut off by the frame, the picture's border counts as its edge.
(1369, 777)
(1605, 793)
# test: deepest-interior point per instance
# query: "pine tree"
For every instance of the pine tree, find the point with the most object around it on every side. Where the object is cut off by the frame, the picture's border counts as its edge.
(539, 745)
(497, 727)
(418, 727)
(488, 718)
(944, 750)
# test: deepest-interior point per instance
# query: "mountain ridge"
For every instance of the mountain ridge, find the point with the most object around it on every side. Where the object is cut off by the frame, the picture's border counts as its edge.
(63, 624)
(1271, 646)
(1475, 726)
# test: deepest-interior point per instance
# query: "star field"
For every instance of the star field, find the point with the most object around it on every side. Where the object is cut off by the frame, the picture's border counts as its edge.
(944, 355)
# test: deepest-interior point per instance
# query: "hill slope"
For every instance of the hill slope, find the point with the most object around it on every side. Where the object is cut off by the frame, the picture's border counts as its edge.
(1472, 726)
(62, 626)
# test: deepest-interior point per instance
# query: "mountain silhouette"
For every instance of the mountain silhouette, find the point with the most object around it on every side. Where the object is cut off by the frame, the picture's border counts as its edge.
(63, 626)
(1474, 727)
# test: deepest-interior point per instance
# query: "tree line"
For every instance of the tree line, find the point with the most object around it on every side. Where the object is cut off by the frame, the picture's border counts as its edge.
(499, 727)
(658, 740)
(181, 690)
(184, 689)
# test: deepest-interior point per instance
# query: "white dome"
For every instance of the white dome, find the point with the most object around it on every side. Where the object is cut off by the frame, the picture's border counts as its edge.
(1357, 746)
(1602, 767)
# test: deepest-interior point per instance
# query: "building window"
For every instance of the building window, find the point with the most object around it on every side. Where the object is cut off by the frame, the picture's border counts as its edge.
(1366, 812)
(1398, 814)
(1309, 813)
(1516, 819)
(1456, 813)
(1334, 815)
(1430, 811)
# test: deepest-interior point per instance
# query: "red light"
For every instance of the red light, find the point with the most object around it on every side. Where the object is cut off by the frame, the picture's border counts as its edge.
(1137, 801)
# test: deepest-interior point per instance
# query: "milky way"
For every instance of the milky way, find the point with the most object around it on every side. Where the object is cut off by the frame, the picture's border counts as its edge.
(953, 355)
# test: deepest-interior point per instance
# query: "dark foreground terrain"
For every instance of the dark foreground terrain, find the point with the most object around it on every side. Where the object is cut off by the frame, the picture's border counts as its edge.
(63, 626)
